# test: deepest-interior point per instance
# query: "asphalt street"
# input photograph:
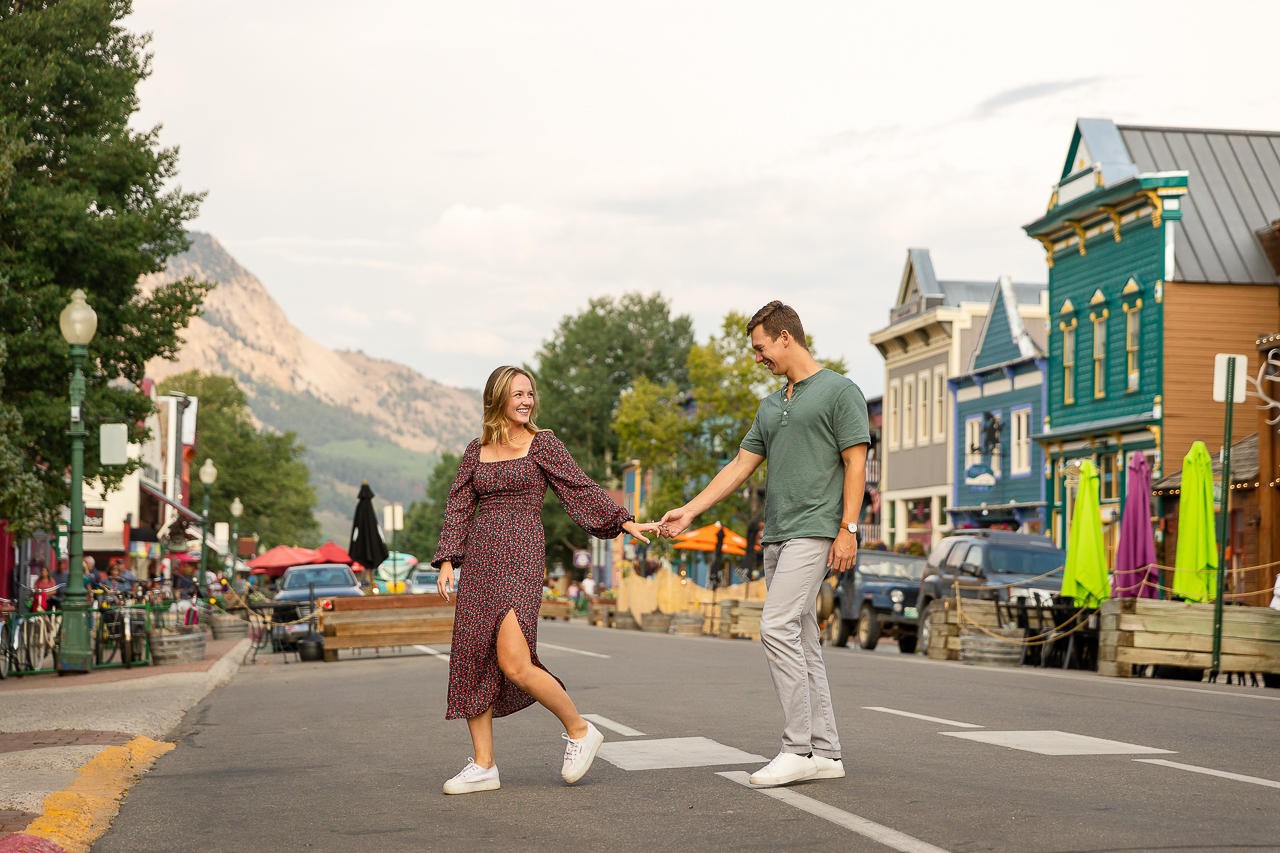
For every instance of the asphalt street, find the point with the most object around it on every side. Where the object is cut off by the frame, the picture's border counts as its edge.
(351, 756)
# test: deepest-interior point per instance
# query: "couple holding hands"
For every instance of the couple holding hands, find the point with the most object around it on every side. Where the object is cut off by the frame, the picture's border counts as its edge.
(814, 433)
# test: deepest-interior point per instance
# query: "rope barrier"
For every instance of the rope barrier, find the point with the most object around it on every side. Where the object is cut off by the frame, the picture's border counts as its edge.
(1052, 635)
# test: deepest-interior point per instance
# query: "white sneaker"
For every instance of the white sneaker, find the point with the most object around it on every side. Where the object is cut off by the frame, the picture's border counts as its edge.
(579, 754)
(473, 778)
(828, 768)
(785, 768)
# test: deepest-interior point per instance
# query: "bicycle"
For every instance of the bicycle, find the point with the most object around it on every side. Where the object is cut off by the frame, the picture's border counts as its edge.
(117, 628)
(26, 640)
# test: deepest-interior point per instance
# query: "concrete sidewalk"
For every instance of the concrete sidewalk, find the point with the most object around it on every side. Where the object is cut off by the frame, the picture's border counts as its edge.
(55, 730)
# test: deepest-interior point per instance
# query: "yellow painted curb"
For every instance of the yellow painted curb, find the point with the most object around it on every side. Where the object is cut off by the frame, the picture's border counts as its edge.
(78, 816)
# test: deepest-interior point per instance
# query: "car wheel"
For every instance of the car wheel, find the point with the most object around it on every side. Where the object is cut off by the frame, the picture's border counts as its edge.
(907, 644)
(925, 631)
(868, 628)
(837, 630)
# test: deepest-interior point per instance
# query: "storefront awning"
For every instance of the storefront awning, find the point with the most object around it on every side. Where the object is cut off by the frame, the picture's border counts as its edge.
(1100, 427)
(163, 498)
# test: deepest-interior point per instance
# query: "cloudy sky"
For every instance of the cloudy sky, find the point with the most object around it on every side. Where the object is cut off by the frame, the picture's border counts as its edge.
(437, 182)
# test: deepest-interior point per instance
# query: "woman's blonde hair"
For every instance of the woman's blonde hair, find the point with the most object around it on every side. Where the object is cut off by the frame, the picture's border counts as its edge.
(496, 392)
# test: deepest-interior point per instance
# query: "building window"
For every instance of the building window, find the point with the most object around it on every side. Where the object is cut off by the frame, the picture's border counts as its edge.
(939, 404)
(972, 442)
(1132, 335)
(1020, 455)
(922, 386)
(909, 412)
(1099, 355)
(1109, 486)
(895, 416)
(1069, 364)
(993, 427)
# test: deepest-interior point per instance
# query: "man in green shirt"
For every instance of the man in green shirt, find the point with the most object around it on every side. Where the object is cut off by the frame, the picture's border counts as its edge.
(815, 435)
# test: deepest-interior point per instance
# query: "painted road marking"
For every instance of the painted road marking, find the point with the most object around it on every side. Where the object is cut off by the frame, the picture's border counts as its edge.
(866, 828)
(625, 731)
(1057, 743)
(1224, 774)
(667, 753)
(922, 717)
(542, 645)
(433, 652)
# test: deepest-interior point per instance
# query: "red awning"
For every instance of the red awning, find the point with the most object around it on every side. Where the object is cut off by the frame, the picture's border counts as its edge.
(281, 557)
(330, 552)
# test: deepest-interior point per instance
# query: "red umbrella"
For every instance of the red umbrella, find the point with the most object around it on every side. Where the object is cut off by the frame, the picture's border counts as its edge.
(281, 557)
(330, 552)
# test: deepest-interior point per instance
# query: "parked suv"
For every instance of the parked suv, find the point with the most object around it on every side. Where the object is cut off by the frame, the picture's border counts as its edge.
(877, 598)
(984, 561)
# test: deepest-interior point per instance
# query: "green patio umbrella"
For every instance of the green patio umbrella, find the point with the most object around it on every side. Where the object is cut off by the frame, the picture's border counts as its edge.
(1194, 577)
(1085, 575)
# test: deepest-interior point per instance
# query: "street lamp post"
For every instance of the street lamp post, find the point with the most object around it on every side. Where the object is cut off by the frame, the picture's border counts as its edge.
(237, 510)
(208, 473)
(79, 322)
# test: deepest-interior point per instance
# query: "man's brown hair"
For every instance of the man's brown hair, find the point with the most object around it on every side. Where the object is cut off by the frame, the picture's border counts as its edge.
(777, 318)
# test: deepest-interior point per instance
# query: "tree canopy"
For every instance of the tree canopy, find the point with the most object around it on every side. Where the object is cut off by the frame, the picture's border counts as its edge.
(263, 469)
(425, 518)
(582, 371)
(685, 435)
(83, 204)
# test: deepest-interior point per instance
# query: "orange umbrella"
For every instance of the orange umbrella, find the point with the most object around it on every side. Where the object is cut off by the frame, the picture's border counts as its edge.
(704, 539)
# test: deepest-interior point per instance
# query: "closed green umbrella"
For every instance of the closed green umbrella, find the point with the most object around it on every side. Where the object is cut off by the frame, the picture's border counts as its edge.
(1085, 575)
(1195, 577)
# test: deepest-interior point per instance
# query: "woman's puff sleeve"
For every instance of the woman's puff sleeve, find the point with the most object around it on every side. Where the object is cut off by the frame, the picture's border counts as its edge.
(458, 510)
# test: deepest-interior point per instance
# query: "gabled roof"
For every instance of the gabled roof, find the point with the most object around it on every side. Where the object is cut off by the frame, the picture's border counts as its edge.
(1097, 141)
(1004, 337)
(1233, 193)
(917, 277)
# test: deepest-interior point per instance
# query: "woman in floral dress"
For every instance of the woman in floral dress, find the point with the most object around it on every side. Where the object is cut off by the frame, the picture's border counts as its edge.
(493, 530)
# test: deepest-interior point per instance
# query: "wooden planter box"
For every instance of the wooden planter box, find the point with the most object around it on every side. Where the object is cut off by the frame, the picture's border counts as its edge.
(556, 609)
(377, 621)
(944, 626)
(602, 613)
(1139, 631)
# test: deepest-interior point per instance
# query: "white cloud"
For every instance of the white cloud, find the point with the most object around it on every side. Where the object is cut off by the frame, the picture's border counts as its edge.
(484, 169)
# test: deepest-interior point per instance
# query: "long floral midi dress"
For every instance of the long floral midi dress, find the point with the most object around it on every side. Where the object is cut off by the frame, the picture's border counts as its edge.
(493, 532)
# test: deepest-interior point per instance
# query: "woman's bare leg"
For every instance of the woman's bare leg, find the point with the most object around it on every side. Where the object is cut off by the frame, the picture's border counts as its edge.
(516, 665)
(482, 737)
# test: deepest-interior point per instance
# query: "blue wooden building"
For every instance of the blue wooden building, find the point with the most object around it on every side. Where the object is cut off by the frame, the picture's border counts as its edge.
(999, 405)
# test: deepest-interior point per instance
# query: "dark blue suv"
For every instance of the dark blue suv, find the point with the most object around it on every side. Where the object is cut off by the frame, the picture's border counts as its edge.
(877, 598)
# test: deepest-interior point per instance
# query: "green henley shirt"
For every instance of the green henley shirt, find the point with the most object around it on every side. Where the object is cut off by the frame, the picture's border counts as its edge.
(802, 439)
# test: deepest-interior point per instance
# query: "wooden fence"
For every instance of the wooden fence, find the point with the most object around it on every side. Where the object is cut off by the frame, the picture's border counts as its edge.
(1139, 631)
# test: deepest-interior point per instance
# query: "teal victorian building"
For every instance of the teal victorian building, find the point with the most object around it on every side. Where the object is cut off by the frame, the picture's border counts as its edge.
(999, 405)
(1151, 238)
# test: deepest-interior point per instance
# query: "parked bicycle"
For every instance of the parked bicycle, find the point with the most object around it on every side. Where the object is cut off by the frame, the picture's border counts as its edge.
(119, 626)
(27, 640)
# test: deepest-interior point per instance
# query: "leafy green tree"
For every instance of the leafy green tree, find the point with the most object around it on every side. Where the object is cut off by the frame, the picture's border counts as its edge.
(19, 488)
(425, 518)
(686, 435)
(83, 204)
(263, 469)
(593, 357)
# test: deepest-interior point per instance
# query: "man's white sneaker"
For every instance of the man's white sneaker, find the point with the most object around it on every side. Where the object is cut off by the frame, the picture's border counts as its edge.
(828, 768)
(785, 768)
(473, 778)
(579, 753)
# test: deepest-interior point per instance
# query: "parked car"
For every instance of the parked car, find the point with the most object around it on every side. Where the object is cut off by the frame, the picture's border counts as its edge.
(985, 562)
(877, 599)
(332, 580)
(423, 582)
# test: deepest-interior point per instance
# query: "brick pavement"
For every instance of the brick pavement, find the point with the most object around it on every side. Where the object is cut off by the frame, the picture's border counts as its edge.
(214, 649)
(14, 821)
(17, 741)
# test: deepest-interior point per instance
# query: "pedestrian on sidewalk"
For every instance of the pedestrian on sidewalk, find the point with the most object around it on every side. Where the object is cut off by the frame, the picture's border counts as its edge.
(493, 528)
(814, 432)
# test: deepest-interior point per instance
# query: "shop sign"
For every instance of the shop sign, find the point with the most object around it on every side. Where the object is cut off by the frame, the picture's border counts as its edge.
(979, 478)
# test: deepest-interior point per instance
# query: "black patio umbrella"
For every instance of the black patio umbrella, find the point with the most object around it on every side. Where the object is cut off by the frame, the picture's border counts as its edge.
(367, 547)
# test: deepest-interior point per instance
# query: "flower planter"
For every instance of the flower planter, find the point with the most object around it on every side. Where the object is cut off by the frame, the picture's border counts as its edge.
(687, 623)
(185, 644)
(228, 627)
(602, 612)
(655, 622)
(552, 609)
(623, 620)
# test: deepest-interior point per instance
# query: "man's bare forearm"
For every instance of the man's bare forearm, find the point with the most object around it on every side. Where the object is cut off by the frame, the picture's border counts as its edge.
(855, 483)
(726, 482)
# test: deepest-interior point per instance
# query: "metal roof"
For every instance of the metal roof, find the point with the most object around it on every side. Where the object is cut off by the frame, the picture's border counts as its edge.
(1233, 192)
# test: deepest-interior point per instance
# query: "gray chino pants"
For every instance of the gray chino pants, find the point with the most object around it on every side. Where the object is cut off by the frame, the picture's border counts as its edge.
(789, 630)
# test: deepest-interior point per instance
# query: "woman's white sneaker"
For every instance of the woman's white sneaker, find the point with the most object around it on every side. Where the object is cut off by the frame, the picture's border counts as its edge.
(579, 754)
(785, 768)
(828, 768)
(473, 778)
